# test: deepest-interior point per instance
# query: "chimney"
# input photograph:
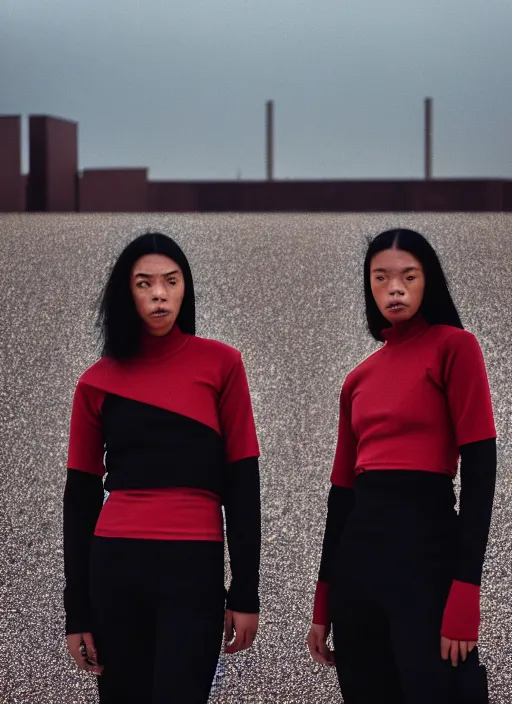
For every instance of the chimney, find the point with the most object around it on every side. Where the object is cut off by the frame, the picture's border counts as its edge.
(270, 140)
(428, 138)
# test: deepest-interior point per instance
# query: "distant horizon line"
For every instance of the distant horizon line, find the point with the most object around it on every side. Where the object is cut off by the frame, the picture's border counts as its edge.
(302, 179)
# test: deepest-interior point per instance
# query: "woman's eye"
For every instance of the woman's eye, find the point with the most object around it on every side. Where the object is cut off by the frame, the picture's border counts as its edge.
(172, 282)
(142, 284)
(411, 278)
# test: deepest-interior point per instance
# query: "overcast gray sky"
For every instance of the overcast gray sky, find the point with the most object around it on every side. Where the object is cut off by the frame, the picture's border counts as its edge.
(180, 85)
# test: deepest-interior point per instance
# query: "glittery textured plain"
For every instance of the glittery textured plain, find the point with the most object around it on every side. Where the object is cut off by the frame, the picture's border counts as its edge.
(287, 291)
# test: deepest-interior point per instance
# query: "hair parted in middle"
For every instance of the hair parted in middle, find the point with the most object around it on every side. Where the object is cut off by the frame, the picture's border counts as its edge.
(437, 306)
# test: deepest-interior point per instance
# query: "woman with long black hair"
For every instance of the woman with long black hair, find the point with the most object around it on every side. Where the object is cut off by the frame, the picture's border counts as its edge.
(166, 416)
(400, 570)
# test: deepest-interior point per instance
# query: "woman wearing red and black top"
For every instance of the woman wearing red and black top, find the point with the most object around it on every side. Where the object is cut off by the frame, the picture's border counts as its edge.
(400, 570)
(167, 417)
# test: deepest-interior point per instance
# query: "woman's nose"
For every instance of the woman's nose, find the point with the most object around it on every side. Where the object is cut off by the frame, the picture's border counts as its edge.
(396, 287)
(159, 292)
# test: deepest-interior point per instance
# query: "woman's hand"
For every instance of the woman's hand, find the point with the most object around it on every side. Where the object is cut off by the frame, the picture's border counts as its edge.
(317, 643)
(243, 627)
(82, 649)
(451, 649)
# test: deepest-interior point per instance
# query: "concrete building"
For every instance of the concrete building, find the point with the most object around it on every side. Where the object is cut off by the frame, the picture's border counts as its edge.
(55, 185)
(52, 182)
(12, 196)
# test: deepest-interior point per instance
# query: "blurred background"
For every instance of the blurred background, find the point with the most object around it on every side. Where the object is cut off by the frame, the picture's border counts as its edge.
(172, 106)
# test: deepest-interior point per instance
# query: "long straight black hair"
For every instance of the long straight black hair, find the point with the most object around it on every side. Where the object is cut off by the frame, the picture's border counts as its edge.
(437, 306)
(118, 321)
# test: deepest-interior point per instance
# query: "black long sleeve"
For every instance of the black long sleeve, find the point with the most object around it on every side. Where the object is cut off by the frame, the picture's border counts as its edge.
(339, 505)
(478, 480)
(461, 618)
(83, 499)
(243, 531)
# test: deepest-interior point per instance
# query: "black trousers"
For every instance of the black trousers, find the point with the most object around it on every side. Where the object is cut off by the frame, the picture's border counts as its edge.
(159, 616)
(393, 574)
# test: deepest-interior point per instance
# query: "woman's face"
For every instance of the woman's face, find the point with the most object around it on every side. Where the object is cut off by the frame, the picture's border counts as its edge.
(157, 287)
(398, 284)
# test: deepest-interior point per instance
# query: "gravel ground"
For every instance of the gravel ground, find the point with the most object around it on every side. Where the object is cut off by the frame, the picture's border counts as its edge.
(285, 290)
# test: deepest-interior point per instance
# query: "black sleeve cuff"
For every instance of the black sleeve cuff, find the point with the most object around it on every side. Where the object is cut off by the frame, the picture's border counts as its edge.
(243, 531)
(244, 600)
(78, 611)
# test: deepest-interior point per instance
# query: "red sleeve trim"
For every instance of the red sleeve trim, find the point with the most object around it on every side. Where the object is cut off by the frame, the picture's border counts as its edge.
(86, 446)
(236, 416)
(345, 457)
(461, 618)
(321, 606)
(467, 388)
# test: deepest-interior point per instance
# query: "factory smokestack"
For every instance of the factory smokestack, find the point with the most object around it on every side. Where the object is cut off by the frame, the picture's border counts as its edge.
(270, 140)
(428, 138)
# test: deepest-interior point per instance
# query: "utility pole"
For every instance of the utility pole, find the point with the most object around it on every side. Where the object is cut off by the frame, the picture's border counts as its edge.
(428, 138)
(270, 140)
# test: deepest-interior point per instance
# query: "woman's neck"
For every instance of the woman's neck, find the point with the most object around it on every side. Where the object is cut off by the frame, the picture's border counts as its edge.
(404, 330)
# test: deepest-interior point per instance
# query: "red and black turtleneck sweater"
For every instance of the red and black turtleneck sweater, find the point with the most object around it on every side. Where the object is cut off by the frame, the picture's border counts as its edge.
(172, 434)
(419, 403)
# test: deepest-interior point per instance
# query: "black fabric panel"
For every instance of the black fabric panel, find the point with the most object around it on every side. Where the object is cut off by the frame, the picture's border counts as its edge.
(150, 448)
(159, 617)
(394, 571)
(241, 499)
(386, 640)
(339, 505)
(83, 500)
(478, 481)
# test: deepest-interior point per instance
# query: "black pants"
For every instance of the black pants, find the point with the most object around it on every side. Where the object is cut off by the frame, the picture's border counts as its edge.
(393, 575)
(159, 615)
